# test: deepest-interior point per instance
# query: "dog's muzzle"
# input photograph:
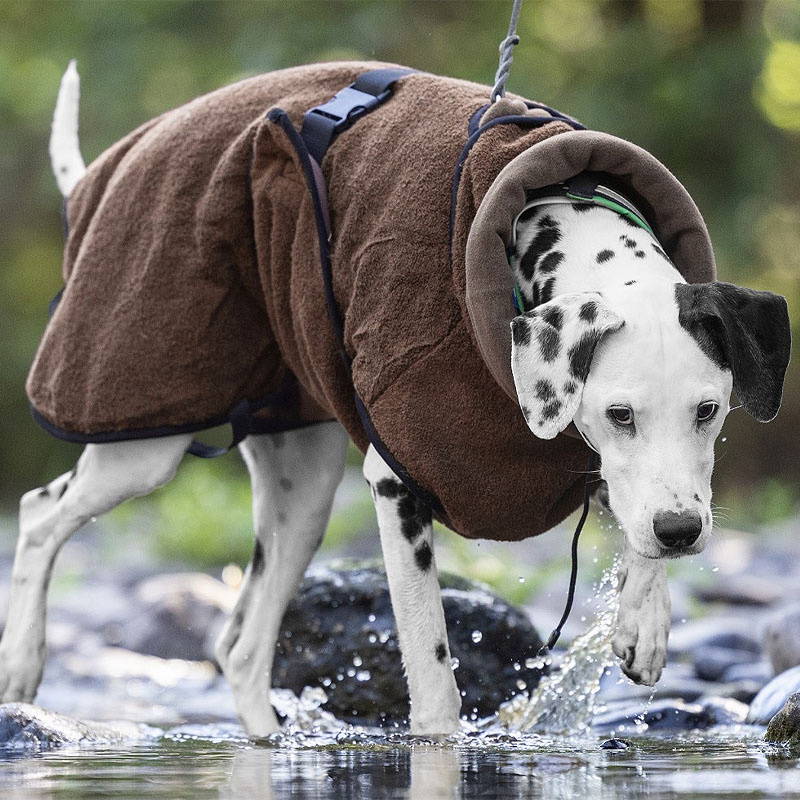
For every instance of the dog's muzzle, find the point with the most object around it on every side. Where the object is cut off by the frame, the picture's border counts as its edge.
(673, 529)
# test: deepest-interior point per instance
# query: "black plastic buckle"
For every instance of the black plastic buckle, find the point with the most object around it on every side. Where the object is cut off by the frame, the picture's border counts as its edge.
(345, 107)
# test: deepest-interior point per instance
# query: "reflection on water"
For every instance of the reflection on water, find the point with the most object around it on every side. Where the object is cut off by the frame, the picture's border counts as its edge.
(540, 746)
(730, 764)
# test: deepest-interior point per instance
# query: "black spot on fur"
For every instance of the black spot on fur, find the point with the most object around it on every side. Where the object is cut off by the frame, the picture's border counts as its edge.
(604, 255)
(628, 242)
(546, 292)
(64, 486)
(570, 387)
(588, 312)
(278, 440)
(551, 410)
(580, 355)
(521, 332)
(545, 391)
(441, 652)
(550, 342)
(548, 222)
(581, 208)
(257, 564)
(696, 498)
(286, 484)
(629, 283)
(388, 487)
(526, 412)
(551, 261)
(543, 242)
(44, 492)
(639, 254)
(414, 515)
(630, 222)
(554, 316)
(423, 555)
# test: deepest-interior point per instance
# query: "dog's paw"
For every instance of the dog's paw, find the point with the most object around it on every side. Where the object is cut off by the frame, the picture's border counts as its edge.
(640, 641)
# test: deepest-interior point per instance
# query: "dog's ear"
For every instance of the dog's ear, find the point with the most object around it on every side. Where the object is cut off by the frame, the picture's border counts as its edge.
(744, 331)
(552, 349)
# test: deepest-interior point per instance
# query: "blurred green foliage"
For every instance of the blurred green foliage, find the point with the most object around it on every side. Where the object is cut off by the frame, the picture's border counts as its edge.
(712, 88)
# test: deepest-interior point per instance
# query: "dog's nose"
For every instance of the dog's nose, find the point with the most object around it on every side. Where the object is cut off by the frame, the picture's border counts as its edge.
(677, 529)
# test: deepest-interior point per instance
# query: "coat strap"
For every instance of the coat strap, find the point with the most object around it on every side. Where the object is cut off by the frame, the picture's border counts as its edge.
(323, 123)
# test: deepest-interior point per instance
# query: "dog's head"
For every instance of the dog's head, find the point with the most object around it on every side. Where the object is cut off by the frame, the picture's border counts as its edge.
(645, 371)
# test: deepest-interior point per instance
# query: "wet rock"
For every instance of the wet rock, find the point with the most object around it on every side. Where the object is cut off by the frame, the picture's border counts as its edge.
(744, 690)
(784, 727)
(756, 672)
(614, 744)
(23, 725)
(339, 634)
(733, 633)
(711, 661)
(174, 616)
(769, 701)
(782, 638)
(741, 590)
(672, 715)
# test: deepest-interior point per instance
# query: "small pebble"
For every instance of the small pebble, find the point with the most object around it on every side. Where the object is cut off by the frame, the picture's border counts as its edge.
(614, 744)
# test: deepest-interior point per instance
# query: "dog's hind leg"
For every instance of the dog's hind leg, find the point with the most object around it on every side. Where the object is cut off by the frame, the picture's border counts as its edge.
(106, 475)
(406, 531)
(294, 477)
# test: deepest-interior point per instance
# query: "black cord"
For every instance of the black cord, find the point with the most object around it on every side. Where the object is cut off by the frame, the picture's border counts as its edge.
(573, 577)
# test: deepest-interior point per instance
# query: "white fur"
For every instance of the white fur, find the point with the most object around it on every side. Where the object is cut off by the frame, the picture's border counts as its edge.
(417, 605)
(65, 153)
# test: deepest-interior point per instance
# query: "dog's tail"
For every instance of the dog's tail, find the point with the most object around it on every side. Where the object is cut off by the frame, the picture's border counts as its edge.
(65, 153)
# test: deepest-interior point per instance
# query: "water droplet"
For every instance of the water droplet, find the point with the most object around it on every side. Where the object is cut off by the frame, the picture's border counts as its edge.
(363, 675)
(521, 579)
(351, 673)
(357, 662)
(517, 666)
(521, 685)
(476, 636)
(455, 663)
(372, 638)
(371, 618)
(724, 439)
(715, 568)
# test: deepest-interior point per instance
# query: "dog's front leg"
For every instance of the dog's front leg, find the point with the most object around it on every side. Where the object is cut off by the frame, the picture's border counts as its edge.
(407, 540)
(644, 617)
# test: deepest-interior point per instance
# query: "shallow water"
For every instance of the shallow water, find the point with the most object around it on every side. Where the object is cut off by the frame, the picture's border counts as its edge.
(541, 746)
(213, 762)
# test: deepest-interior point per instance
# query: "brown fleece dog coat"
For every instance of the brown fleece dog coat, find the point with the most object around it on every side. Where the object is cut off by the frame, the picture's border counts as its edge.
(193, 282)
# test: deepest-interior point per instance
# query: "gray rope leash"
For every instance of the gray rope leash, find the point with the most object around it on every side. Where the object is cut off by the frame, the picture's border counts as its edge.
(506, 54)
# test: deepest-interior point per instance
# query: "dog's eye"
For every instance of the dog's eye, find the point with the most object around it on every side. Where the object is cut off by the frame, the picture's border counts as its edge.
(622, 415)
(705, 411)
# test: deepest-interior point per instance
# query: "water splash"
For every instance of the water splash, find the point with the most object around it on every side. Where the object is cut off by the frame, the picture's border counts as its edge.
(564, 701)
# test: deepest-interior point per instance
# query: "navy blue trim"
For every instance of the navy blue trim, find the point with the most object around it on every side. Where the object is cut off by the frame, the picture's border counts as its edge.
(280, 117)
(474, 135)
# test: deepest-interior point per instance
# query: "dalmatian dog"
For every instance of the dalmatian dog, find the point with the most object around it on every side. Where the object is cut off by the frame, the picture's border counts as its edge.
(615, 342)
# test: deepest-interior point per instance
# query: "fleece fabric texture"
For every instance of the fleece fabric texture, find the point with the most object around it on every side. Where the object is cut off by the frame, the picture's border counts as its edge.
(193, 280)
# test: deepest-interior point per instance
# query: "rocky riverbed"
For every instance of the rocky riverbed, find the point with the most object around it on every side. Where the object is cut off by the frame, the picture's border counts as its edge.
(134, 642)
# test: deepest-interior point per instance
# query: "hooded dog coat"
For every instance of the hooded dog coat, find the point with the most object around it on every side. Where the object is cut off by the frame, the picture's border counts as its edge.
(193, 282)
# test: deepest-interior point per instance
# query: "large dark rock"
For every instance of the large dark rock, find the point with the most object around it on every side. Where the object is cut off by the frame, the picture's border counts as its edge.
(339, 633)
(784, 727)
(24, 725)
